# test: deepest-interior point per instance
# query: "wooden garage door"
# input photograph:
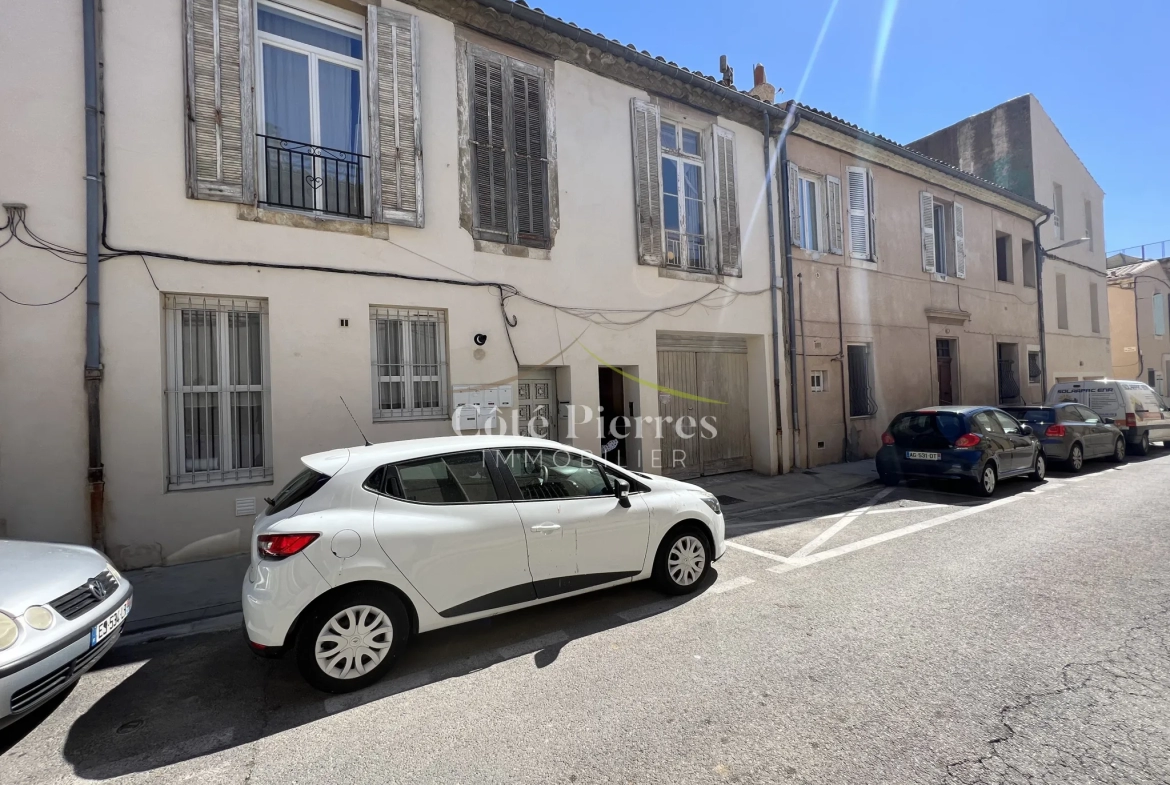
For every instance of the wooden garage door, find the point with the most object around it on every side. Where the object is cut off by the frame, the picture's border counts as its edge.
(713, 368)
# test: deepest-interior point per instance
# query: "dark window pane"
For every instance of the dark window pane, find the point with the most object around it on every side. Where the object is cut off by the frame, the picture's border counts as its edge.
(472, 475)
(307, 31)
(669, 138)
(297, 490)
(201, 432)
(555, 474)
(452, 479)
(690, 141)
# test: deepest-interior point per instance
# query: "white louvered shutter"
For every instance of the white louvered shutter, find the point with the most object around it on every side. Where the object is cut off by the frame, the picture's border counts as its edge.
(858, 185)
(529, 158)
(960, 243)
(871, 196)
(794, 204)
(219, 71)
(926, 207)
(488, 148)
(395, 121)
(727, 201)
(646, 122)
(836, 227)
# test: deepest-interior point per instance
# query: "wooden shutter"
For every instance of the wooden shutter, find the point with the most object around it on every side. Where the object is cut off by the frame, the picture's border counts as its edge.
(858, 184)
(727, 201)
(926, 206)
(794, 204)
(836, 228)
(395, 122)
(529, 161)
(489, 168)
(219, 71)
(960, 243)
(646, 124)
(871, 196)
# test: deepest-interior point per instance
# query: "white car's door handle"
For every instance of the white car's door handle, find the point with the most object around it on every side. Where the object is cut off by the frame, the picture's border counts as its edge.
(546, 528)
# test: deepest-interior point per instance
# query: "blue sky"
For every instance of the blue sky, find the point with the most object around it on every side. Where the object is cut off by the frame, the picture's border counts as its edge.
(1099, 69)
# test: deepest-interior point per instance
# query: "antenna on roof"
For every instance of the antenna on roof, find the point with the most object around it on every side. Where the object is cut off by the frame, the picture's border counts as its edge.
(355, 422)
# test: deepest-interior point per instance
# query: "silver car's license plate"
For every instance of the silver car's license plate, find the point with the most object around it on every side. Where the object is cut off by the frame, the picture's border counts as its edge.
(924, 456)
(109, 624)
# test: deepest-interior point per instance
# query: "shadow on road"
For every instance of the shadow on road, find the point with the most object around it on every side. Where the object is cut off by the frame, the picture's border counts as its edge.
(199, 695)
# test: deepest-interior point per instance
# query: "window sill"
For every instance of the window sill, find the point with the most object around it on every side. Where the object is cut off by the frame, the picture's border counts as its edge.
(863, 417)
(220, 484)
(517, 251)
(680, 274)
(865, 264)
(297, 219)
(382, 418)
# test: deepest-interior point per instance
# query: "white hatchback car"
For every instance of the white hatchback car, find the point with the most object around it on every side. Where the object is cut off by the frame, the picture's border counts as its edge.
(370, 545)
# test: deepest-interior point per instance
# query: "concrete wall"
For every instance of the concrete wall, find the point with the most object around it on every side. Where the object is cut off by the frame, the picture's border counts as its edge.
(313, 359)
(902, 310)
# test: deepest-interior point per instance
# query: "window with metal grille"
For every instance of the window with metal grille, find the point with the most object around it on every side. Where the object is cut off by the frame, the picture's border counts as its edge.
(861, 398)
(683, 197)
(509, 149)
(1034, 371)
(217, 392)
(409, 363)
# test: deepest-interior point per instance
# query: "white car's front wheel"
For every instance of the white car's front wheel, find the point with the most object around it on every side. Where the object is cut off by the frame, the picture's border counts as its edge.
(682, 562)
(350, 640)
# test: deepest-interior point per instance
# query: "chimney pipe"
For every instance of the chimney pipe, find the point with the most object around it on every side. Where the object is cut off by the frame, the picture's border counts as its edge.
(761, 89)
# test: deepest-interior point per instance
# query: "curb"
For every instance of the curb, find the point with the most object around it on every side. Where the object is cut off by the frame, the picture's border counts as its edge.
(220, 623)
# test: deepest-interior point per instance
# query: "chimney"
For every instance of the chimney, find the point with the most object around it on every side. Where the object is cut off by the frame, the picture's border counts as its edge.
(762, 90)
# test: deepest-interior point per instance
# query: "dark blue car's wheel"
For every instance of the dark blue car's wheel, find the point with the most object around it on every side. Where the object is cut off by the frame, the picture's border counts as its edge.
(988, 479)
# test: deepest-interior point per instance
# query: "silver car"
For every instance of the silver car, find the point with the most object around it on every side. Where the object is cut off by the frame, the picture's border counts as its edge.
(61, 608)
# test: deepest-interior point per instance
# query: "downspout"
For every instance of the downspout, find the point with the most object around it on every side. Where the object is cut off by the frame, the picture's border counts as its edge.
(841, 360)
(1040, 305)
(792, 119)
(803, 370)
(772, 286)
(95, 476)
(1137, 330)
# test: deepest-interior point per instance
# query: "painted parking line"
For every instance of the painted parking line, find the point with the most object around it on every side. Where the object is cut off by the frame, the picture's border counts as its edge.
(824, 536)
(758, 552)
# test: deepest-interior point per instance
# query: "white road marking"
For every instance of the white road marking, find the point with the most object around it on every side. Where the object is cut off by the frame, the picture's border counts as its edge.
(758, 552)
(777, 521)
(734, 583)
(532, 645)
(821, 538)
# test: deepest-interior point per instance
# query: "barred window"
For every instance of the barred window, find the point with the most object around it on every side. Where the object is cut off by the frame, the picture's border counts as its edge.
(217, 393)
(409, 363)
(861, 399)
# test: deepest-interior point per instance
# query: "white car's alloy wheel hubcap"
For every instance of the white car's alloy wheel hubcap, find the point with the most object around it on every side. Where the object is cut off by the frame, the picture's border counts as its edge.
(354, 642)
(686, 560)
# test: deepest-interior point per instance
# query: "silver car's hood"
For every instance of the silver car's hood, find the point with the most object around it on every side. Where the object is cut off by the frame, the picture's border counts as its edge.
(35, 573)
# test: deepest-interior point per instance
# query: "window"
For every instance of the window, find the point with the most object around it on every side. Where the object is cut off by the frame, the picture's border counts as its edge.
(1009, 425)
(311, 113)
(409, 362)
(1035, 373)
(1003, 257)
(298, 489)
(812, 199)
(683, 198)
(1089, 225)
(1094, 308)
(555, 474)
(1058, 211)
(447, 479)
(1028, 256)
(217, 392)
(940, 239)
(1159, 314)
(862, 214)
(944, 246)
(1088, 415)
(1061, 302)
(510, 152)
(861, 400)
(817, 381)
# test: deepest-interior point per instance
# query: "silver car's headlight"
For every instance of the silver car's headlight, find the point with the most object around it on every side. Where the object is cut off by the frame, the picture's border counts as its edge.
(38, 617)
(713, 503)
(115, 573)
(8, 631)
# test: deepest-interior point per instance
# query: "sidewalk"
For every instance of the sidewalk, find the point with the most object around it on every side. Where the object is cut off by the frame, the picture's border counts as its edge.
(205, 596)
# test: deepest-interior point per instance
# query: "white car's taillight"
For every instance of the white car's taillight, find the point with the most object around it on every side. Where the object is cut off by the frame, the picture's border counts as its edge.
(281, 546)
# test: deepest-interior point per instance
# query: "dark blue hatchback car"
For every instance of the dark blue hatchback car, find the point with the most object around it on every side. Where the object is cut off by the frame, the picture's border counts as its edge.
(977, 444)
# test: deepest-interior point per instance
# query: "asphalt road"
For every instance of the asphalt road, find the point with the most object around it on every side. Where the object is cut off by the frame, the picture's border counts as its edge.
(930, 638)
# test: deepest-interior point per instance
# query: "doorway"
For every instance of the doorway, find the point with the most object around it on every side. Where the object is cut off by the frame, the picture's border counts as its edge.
(944, 349)
(536, 403)
(614, 419)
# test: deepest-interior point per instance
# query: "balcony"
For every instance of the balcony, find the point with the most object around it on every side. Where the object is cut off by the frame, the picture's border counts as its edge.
(322, 180)
(687, 252)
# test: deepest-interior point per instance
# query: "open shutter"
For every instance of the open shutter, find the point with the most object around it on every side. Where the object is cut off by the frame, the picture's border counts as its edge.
(727, 201)
(528, 132)
(858, 184)
(488, 148)
(871, 196)
(219, 99)
(960, 244)
(645, 121)
(395, 126)
(794, 204)
(926, 207)
(836, 228)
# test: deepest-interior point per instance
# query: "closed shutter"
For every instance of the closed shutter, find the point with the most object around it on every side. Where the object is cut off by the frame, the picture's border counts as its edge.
(395, 125)
(836, 227)
(858, 184)
(727, 201)
(488, 148)
(646, 122)
(528, 130)
(871, 196)
(926, 207)
(1094, 309)
(1058, 210)
(219, 99)
(1089, 225)
(960, 243)
(794, 204)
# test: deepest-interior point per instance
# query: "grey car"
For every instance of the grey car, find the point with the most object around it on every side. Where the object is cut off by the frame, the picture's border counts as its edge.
(62, 607)
(1072, 433)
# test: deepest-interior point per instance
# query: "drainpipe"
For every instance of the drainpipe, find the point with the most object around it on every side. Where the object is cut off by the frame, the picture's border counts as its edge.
(804, 370)
(792, 119)
(841, 360)
(93, 369)
(1040, 304)
(768, 162)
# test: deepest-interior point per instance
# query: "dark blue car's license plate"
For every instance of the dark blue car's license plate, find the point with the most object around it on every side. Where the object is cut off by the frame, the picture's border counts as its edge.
(923, 456)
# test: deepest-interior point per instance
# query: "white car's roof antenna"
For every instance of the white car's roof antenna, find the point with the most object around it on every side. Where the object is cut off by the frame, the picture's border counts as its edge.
(355, 422)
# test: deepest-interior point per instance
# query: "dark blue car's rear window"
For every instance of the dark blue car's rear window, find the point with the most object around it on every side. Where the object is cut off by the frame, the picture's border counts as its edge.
(1033, 416)
(922, 429)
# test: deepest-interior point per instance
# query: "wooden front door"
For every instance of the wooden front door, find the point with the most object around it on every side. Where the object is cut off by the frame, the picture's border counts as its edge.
(944, 353)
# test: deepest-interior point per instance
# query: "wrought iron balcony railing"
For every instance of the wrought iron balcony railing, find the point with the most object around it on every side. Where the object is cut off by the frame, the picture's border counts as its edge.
(687, 251)
(314, 178)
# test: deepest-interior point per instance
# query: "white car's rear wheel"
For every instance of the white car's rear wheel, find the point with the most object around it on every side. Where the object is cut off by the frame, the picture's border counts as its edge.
(351, 639)
(682, 562)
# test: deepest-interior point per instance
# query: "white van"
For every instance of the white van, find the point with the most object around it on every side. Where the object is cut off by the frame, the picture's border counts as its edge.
(1133, 406)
